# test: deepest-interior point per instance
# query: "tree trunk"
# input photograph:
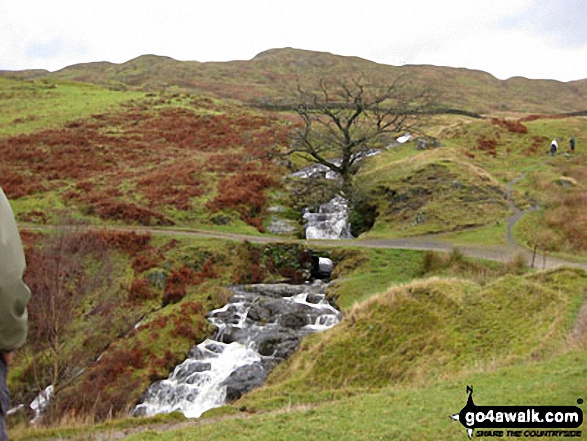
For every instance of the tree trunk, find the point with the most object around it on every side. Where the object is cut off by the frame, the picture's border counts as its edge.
(347, 186)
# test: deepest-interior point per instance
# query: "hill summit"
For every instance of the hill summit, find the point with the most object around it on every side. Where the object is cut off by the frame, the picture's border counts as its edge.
(263, 78)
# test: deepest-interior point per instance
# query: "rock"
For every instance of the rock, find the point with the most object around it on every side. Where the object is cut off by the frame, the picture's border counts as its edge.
(232, 334)
(213, 347)
(314, 298)
(281, 226)
(426, 143)
(294, 320)
(244, 379)
(419, 219)
(276, 289)
(188, 369)
(278, 343)
(221, 219)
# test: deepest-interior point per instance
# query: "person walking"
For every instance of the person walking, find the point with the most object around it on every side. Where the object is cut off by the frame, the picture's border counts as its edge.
(572, 142)
(14, 296)
(553, 147)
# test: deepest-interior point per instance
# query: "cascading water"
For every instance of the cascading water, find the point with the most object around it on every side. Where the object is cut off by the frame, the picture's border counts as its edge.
(260, 327)
(330, 221)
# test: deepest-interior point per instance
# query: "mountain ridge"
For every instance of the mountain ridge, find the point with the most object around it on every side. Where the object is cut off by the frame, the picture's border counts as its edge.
(264, 78)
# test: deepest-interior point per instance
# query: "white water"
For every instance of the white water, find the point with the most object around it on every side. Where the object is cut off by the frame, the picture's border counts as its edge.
(191, 390)
(329, 222)
(41, 403)
(197, 384)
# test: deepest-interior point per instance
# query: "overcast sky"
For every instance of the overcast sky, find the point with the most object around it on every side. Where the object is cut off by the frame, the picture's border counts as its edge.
(531, 38)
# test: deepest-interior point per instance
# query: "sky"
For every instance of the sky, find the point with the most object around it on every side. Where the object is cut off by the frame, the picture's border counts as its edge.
(529, 38)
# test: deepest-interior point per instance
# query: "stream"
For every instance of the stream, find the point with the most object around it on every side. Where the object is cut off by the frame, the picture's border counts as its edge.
(261, 326)
(330, 220)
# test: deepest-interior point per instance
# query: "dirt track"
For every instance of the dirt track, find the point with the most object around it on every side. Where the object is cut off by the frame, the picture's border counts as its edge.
(501, 253)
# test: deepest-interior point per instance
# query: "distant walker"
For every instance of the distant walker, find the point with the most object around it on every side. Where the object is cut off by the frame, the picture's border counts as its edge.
(553, 147)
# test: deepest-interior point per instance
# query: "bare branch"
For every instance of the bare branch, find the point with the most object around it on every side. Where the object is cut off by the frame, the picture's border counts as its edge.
(342, 121)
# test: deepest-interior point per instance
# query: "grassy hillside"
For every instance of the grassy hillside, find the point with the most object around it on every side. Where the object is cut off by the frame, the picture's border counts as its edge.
(139, 148)
(267, 75)
(156, 160)
(431, 329)
(515, 152)
(483, 172)
(29, 106)
(99, 149)
(398, 364)
(431, 192)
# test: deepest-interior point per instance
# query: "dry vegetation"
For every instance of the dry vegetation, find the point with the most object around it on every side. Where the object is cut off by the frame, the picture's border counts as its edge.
(134, 166)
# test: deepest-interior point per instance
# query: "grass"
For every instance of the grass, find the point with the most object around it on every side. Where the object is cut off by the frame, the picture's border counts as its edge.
(532, 230)
(489, 235)
(211, 161)
(391, 413)
(521, 161)
(429, 329)
(402, 413)
(28, 106)
(398, 364)
(434, 191)
(268, 77)
(376, 270)
(400, 357)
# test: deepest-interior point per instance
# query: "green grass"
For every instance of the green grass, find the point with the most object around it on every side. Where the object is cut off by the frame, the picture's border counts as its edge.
(402, 413)
(376, 271)
(398, 364)
(489, 235)
(430, 329)
(434, 191)
(391, 413)
(28, 106)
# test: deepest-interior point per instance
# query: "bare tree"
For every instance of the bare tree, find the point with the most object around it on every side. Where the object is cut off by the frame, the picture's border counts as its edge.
(63, 268)
(342, 121)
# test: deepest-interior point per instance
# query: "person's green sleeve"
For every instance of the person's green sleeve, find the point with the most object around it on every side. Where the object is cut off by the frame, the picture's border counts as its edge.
(14, 294)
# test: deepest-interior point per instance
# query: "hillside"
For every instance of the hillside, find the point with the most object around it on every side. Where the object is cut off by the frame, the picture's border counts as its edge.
(267, 76)
(145, 189)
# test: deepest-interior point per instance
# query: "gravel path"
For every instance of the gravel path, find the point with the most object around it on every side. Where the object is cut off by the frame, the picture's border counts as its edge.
(501, 253)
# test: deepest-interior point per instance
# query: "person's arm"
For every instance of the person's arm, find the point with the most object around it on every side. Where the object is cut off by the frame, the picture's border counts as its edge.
(14, 294)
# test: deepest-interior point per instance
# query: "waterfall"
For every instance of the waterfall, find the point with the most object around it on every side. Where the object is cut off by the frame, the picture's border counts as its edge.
(330, 221)
(261, 326)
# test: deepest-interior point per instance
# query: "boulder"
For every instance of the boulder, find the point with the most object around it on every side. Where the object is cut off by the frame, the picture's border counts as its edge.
(244, 379)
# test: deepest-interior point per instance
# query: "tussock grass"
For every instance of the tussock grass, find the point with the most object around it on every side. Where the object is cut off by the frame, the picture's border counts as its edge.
(428, 329)
(435, 191)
